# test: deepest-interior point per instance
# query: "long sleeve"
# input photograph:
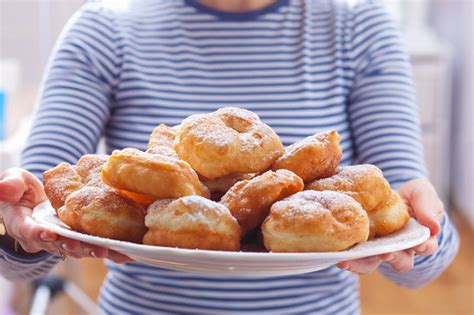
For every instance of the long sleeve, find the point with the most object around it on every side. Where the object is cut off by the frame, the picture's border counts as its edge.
(384, 121)
(73, 108)
(20, 268)
(76, 96)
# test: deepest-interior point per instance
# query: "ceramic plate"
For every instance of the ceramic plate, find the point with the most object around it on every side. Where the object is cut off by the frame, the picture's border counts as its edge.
(248, 264)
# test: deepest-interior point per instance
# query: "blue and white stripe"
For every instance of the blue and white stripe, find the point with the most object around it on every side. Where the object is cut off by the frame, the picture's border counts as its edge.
(25, 268)
(302, 65)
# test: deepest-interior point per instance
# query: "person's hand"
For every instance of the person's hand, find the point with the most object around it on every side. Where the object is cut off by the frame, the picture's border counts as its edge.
(20, 192)
(426, 207)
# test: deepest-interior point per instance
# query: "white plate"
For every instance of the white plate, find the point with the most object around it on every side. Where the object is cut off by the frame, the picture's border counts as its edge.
(246, 264)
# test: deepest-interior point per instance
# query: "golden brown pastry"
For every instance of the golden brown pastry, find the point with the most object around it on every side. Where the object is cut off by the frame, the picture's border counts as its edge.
(227, 141)
(223, 184)
(59, 182)
(150, 174)
(314, 157)
(87, 205)
(365, 183)
(315, 221)
(390, 218)
(102, 212)
(143, 199)
(161, 141)
(192, 222)
(250, 200)
(89, 166)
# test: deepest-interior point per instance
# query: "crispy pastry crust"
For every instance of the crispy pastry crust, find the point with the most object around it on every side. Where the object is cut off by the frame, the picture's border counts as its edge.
(249, 201)
(390, 218)
(227, 141)
(59, 182)
(87, 205)
(192, 222)
(150, 174)
(314, 157)
(365, 183)
(161, 141)
(315, 221)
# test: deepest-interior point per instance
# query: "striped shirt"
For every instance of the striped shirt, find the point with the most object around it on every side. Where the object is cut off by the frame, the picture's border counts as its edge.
(303, 66)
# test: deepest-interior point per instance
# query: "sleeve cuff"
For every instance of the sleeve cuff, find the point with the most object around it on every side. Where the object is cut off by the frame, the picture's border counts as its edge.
(30, 259)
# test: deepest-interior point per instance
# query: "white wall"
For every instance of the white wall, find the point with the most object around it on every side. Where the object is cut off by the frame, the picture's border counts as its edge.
(453, 20)
(28, 30)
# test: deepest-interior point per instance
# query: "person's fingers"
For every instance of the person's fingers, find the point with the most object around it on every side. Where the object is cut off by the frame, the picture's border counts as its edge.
(69, 246)
(34, 238)
(90, 250)
(31, 236)
(424, 203)
(383, 257)
(29, 230)
(402, 261)
(39, 232)
(11, 189)
(427, 248)
(19, 187)
(118, 257)
(29, 247)
(78, 249)
(361, 266)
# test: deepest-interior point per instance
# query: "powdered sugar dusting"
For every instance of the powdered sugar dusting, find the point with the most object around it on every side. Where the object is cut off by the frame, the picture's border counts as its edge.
(200, 213)
(310, 203)
(320, 139)
(347, 176)
(203, 203)
(329, 197)
(237, 112)
(61, 181)
(249, 141)
(218, 135)
(358, 171)
(333, 198)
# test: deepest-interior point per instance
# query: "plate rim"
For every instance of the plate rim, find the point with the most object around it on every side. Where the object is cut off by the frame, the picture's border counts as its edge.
(260, 256)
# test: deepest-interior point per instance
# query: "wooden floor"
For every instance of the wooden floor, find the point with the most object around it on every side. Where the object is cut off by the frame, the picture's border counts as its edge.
(451, 294)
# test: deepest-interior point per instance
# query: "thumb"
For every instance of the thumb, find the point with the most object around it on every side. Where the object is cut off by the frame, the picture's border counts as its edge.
(12, 188)
(19, 185)
(425, 204)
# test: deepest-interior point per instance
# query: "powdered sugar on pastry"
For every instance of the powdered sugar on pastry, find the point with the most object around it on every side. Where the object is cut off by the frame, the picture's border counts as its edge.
(227, 141)
(192, 222)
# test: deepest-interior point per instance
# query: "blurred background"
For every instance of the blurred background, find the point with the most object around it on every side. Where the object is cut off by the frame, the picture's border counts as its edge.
(439, 38)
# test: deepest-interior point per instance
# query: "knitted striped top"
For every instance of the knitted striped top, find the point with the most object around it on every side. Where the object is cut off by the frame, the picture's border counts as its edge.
(303, 66)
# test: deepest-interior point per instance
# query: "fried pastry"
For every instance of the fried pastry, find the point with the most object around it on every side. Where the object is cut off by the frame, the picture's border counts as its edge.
(315, 221)
(227, 141)
(314, 157)
(89, 166)
(390, 218)
(161, 141)
(59, 182)
(223, 184)
(365, 183)
(192, 222)
(150, 174)
(250, 200)
(101, 212)
(87, 205)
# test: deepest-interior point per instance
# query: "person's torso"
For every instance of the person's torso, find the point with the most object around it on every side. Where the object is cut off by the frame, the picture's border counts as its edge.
(288, 63)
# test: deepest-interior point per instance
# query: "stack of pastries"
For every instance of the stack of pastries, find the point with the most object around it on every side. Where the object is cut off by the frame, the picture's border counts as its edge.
(218, 180)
